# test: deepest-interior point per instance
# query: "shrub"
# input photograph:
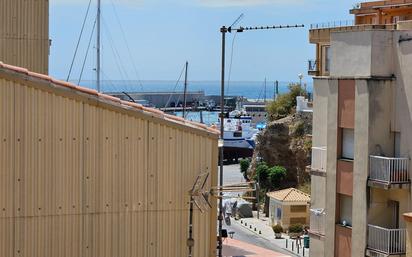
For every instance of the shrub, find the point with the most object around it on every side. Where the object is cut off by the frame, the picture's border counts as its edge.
(276, 174)
(277, 229)
(296, 228)
(244, 166)
(298, 130)
(262, 172)
(285, 103)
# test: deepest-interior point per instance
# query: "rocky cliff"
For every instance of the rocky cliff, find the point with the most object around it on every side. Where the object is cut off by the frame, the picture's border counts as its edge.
(286, 142)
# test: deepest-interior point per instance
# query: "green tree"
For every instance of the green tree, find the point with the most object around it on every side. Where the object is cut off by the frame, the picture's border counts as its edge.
(262, 174)
(285, 103)
(244, 166)
(276, 175)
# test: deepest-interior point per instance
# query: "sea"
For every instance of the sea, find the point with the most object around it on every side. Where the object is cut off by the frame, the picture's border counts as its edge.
(252, 90)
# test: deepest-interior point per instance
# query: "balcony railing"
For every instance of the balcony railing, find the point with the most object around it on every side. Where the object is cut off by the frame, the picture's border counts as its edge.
(389, 170)
(317, 221)
(332, 24)
(319, 159)
(387, 241)
(312, 65)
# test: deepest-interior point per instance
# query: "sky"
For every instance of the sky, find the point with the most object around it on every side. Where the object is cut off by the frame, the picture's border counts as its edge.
(152, 39)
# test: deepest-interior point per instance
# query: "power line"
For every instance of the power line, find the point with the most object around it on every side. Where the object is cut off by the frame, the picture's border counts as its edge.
(230, 65)
(78, 41)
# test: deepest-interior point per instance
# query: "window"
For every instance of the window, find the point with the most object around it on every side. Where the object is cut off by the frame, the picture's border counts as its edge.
(298, 208)
(298, 221)
(348, 136)
(345, 210)
(237, 134)
(279, 213)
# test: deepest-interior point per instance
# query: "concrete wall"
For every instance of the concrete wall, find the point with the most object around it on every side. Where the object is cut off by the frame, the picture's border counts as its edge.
(361, 53)
(317, 246)
(320, 109)
(332, 138)
(286, 213)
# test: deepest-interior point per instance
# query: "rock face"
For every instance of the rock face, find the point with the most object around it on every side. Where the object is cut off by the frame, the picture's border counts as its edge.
(286, 143)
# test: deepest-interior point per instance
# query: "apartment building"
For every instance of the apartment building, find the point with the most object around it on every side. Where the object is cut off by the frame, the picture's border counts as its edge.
(362, 137)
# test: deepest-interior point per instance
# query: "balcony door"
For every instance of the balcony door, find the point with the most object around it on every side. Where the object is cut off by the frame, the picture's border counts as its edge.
(393, 207)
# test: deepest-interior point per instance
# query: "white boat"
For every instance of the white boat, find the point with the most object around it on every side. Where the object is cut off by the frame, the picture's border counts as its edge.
(239, 136)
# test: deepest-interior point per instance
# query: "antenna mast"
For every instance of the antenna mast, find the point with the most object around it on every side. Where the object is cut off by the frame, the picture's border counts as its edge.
(98, 46)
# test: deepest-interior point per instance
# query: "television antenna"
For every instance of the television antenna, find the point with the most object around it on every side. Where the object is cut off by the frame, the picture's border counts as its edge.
(199, 196)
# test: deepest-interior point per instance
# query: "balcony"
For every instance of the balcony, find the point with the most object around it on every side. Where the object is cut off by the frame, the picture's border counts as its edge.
(317, 222)
(386, 241)
(313, 68)
(386, 172)
(318, 166)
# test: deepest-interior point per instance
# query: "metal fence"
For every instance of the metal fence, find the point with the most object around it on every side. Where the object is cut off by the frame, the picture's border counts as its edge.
(317, 221)
(319, 158)
(389, 170)
(388, 241)
(332, 24)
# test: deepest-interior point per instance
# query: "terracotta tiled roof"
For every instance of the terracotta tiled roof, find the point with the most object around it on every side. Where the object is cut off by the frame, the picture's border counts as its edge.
(289, 195)
(108, 98)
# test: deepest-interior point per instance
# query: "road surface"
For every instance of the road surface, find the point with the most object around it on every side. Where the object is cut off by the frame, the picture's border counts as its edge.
(232, 175)
(245, 235)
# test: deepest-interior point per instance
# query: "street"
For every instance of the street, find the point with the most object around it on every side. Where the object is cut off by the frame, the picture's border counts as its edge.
(245, 235)
(232, 175)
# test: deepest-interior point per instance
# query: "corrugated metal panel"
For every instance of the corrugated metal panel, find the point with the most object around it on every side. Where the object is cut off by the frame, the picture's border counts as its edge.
(24, 33)
(81, 180)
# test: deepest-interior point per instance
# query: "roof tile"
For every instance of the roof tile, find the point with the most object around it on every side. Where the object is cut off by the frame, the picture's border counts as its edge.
(289, 195)
(107, 97)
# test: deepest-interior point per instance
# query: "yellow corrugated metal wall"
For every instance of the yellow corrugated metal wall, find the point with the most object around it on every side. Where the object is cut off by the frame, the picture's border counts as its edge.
(24, 34)
(80, 179)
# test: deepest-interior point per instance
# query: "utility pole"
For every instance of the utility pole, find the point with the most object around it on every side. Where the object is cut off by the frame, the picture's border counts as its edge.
(98, 46)
(223, 31)
(185, 92)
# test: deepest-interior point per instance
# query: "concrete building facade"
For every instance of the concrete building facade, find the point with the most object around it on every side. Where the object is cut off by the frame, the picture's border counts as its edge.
(362, 141)
(288, 207)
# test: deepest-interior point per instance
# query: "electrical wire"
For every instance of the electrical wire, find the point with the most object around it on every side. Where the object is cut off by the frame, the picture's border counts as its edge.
(230, 65)
(78, 41)
(87, 52)
(127, 46)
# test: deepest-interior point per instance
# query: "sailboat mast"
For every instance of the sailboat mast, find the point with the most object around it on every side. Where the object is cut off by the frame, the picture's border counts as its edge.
(98, 46)
(185, 92)
(264, 93)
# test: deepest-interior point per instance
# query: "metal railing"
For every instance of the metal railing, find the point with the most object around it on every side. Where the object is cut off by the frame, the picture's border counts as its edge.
(388, 241)
(317, 221)
(312, 65)
(389, 170)
(319, 158)
(332, 24)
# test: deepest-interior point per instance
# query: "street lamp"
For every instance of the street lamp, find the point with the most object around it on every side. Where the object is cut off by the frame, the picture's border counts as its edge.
(225, 30)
